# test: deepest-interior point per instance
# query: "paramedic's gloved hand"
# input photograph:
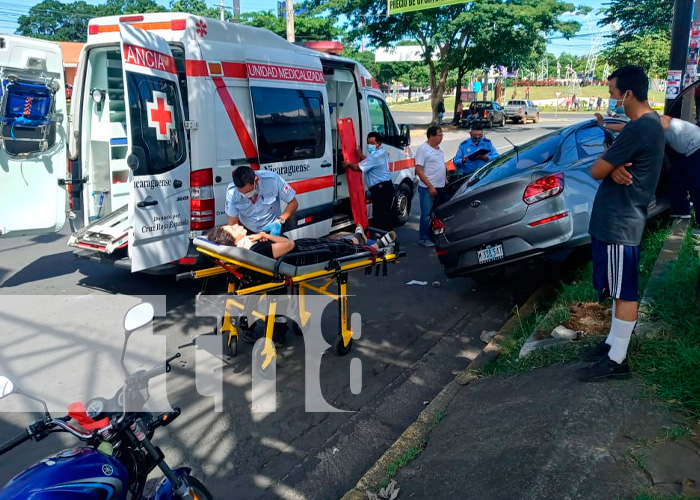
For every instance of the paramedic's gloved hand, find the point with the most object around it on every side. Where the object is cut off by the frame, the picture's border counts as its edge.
(274, 228)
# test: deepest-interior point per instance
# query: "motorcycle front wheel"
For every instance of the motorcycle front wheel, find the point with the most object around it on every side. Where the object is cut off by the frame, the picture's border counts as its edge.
(198, 490)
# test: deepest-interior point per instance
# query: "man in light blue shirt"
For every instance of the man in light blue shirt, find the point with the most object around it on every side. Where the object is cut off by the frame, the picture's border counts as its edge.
(375, 167)
(253, 200)
(466, 162)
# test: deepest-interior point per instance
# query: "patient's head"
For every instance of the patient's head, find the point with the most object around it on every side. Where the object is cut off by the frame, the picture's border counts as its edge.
(228, 235)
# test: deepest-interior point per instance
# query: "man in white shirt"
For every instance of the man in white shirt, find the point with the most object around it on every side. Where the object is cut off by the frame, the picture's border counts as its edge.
(432, 175)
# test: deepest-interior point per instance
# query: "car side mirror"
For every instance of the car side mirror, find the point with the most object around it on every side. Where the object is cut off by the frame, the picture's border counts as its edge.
(405, 134)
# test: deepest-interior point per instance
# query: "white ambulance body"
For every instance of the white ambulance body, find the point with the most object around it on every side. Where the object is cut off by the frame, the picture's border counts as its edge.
(165, 106)
(33, 140)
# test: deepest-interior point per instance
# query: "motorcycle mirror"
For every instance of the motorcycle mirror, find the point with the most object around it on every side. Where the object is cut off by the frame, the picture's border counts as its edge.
(6, 387)
(138, 316)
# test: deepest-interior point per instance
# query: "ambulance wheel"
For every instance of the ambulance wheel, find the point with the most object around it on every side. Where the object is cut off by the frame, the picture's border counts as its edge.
(338, 347)
(403, 204)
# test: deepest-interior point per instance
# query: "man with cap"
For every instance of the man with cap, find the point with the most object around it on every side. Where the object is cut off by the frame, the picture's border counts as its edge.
(253, 200)
(465, 161)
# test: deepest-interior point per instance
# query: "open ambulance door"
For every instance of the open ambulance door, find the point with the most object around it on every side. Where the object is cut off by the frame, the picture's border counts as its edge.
(157, 154)
(32, 137)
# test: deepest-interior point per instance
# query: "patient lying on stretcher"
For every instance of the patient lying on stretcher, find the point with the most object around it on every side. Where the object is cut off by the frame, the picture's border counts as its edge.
(274, 247)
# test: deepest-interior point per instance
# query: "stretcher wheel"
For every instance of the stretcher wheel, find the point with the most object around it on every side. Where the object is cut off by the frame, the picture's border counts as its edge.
(339, 348)
(232, 345)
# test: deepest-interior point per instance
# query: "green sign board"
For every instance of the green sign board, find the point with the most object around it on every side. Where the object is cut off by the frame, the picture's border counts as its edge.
(399, 6)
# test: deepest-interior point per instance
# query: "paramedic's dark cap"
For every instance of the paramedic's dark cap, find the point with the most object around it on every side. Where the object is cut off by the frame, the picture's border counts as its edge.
(243, 176)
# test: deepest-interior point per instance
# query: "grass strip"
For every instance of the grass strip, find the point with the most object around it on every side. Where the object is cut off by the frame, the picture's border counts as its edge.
(579, 289)
(669, 359)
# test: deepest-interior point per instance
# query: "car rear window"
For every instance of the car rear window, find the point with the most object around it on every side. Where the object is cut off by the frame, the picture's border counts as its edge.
(515, 103)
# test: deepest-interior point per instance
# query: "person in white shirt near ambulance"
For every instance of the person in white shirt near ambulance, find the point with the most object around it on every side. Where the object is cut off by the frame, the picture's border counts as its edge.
(253, 200)
(432, 175)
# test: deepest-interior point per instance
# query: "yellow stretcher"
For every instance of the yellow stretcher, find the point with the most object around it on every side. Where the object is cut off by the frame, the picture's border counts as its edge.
(250, 273)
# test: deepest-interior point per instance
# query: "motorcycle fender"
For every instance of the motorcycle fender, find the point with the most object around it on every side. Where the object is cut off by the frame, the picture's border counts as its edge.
(164, 490)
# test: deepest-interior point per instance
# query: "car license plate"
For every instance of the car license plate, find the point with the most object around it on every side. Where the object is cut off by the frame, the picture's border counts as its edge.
(489, 254)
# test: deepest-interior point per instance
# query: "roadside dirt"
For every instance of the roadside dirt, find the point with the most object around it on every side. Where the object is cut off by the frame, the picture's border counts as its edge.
(589, 318)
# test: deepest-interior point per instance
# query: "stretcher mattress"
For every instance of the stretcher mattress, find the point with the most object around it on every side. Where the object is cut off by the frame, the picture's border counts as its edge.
(255, 259)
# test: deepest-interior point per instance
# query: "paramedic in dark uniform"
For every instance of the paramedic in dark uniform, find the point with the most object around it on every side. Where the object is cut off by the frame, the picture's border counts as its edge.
(253, 200)
(375, 166)
(477, 141)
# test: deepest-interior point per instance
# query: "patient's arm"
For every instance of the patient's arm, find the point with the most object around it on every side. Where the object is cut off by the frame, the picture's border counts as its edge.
(280, 245)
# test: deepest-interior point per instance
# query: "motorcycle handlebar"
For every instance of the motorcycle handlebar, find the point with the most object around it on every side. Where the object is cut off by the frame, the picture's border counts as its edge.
(14, 442)
(158, 370)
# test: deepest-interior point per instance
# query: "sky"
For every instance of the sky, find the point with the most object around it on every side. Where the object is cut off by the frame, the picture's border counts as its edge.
(579, 45)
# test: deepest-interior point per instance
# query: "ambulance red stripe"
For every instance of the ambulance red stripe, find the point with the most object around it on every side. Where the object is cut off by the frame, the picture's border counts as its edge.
(247, 143)
(402, 164)
(313, 184)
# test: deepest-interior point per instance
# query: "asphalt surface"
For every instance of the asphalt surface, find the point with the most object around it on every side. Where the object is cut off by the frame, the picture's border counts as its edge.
(414, 338)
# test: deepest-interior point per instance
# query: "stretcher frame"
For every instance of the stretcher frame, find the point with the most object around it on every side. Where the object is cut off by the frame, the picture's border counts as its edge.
(336, 270)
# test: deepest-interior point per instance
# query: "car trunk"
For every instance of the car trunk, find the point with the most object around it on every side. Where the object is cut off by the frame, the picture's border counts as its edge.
(484, 209)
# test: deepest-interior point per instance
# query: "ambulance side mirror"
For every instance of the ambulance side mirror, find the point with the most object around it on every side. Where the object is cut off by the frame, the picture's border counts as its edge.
(405, 135)
(136, 158)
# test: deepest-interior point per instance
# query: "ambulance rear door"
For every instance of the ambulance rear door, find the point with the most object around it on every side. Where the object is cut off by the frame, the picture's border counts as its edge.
(157, 151)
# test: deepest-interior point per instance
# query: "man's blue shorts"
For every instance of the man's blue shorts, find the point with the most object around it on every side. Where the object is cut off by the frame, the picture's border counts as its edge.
(615, 270)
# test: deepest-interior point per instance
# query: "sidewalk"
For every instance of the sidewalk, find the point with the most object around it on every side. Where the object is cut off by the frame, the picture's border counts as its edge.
(544, 435)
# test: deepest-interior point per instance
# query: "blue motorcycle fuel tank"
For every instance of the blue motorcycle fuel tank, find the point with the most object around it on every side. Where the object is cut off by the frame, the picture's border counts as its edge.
(72, 474)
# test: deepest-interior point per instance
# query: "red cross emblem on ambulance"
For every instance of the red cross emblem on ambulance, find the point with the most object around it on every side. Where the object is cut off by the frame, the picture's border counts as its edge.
(161, 115)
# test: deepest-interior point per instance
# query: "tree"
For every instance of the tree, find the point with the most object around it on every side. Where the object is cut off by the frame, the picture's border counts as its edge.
(307, 26)
(53, 20)
(450, 32)
(198, 8)
(650, 51)
(638, 17)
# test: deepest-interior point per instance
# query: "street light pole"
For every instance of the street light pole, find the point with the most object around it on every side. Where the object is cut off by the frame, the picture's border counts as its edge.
(290, 21)
(682, 10)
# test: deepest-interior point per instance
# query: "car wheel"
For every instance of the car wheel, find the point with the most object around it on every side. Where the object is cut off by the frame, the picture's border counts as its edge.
(490, 121)
(503, 121)
(403, 204)
(537, 118)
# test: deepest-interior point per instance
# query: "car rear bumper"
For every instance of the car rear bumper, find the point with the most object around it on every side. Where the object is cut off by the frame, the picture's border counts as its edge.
(519, 241)
(514, 114)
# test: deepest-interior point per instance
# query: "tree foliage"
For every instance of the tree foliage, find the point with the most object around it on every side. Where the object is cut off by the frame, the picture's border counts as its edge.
(54, 20)
(638, 17)
(475, 34)
(307, 27)
(650, 51)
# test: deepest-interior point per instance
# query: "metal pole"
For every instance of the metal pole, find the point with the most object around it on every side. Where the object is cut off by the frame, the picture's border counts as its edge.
(290, 21)
(221, 8)
(236, 9)
(682, 11)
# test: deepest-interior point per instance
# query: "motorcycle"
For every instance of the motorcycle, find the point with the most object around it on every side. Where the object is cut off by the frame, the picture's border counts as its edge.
(118, 455)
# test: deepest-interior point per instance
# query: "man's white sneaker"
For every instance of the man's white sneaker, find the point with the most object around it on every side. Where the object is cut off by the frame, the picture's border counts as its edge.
(427, 243)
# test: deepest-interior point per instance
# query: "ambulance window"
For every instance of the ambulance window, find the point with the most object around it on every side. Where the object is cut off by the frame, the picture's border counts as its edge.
(381, 121)
(289, 124)
(156, 122)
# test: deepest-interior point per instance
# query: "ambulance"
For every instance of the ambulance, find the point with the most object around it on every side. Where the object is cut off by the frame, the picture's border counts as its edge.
(166, 105)
(33, 140)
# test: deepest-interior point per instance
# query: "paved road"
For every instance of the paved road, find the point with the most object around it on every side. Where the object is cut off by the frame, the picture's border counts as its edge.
(414, 338)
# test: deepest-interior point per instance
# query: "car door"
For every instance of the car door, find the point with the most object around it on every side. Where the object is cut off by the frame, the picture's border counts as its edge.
(157, 151)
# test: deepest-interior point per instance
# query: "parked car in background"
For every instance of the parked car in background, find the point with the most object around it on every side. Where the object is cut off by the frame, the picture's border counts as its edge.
(69, 91)
(534, 199)
(522, 110)
(488, 114)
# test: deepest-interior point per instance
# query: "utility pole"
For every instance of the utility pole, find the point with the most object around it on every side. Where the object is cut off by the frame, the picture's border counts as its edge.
(290, 21)
(221, 10)
(236, 9)
(682, 10)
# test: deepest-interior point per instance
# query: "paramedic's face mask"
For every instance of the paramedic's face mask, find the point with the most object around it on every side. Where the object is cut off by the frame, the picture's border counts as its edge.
(372, 145)
(251, 192)
(476, 135)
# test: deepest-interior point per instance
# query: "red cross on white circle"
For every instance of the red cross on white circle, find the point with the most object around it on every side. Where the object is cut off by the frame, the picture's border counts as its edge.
(160, 115)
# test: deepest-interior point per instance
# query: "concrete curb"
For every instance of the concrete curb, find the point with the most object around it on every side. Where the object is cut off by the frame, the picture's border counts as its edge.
(656, 282)
(417, 433)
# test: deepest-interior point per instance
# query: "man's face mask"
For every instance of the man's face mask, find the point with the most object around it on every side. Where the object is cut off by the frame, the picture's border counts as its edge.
(252, 193)
(371, 148)
(476, 138)
(620, 109)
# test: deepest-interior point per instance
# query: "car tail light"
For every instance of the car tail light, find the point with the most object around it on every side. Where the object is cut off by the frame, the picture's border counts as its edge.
(130, 19)
(520, 109)
(544, 188)
(548, 219)
(437, 226)
(202, 202)
(187, 261)
(486, 114)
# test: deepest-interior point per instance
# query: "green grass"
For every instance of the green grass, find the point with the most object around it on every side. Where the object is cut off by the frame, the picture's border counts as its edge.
(579, 289)
(404, 459)
(650, 495)
(536, 94)
(669, 360)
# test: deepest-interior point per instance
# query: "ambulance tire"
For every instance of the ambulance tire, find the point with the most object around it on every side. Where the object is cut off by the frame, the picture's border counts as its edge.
(403, 204)
(338, 346)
